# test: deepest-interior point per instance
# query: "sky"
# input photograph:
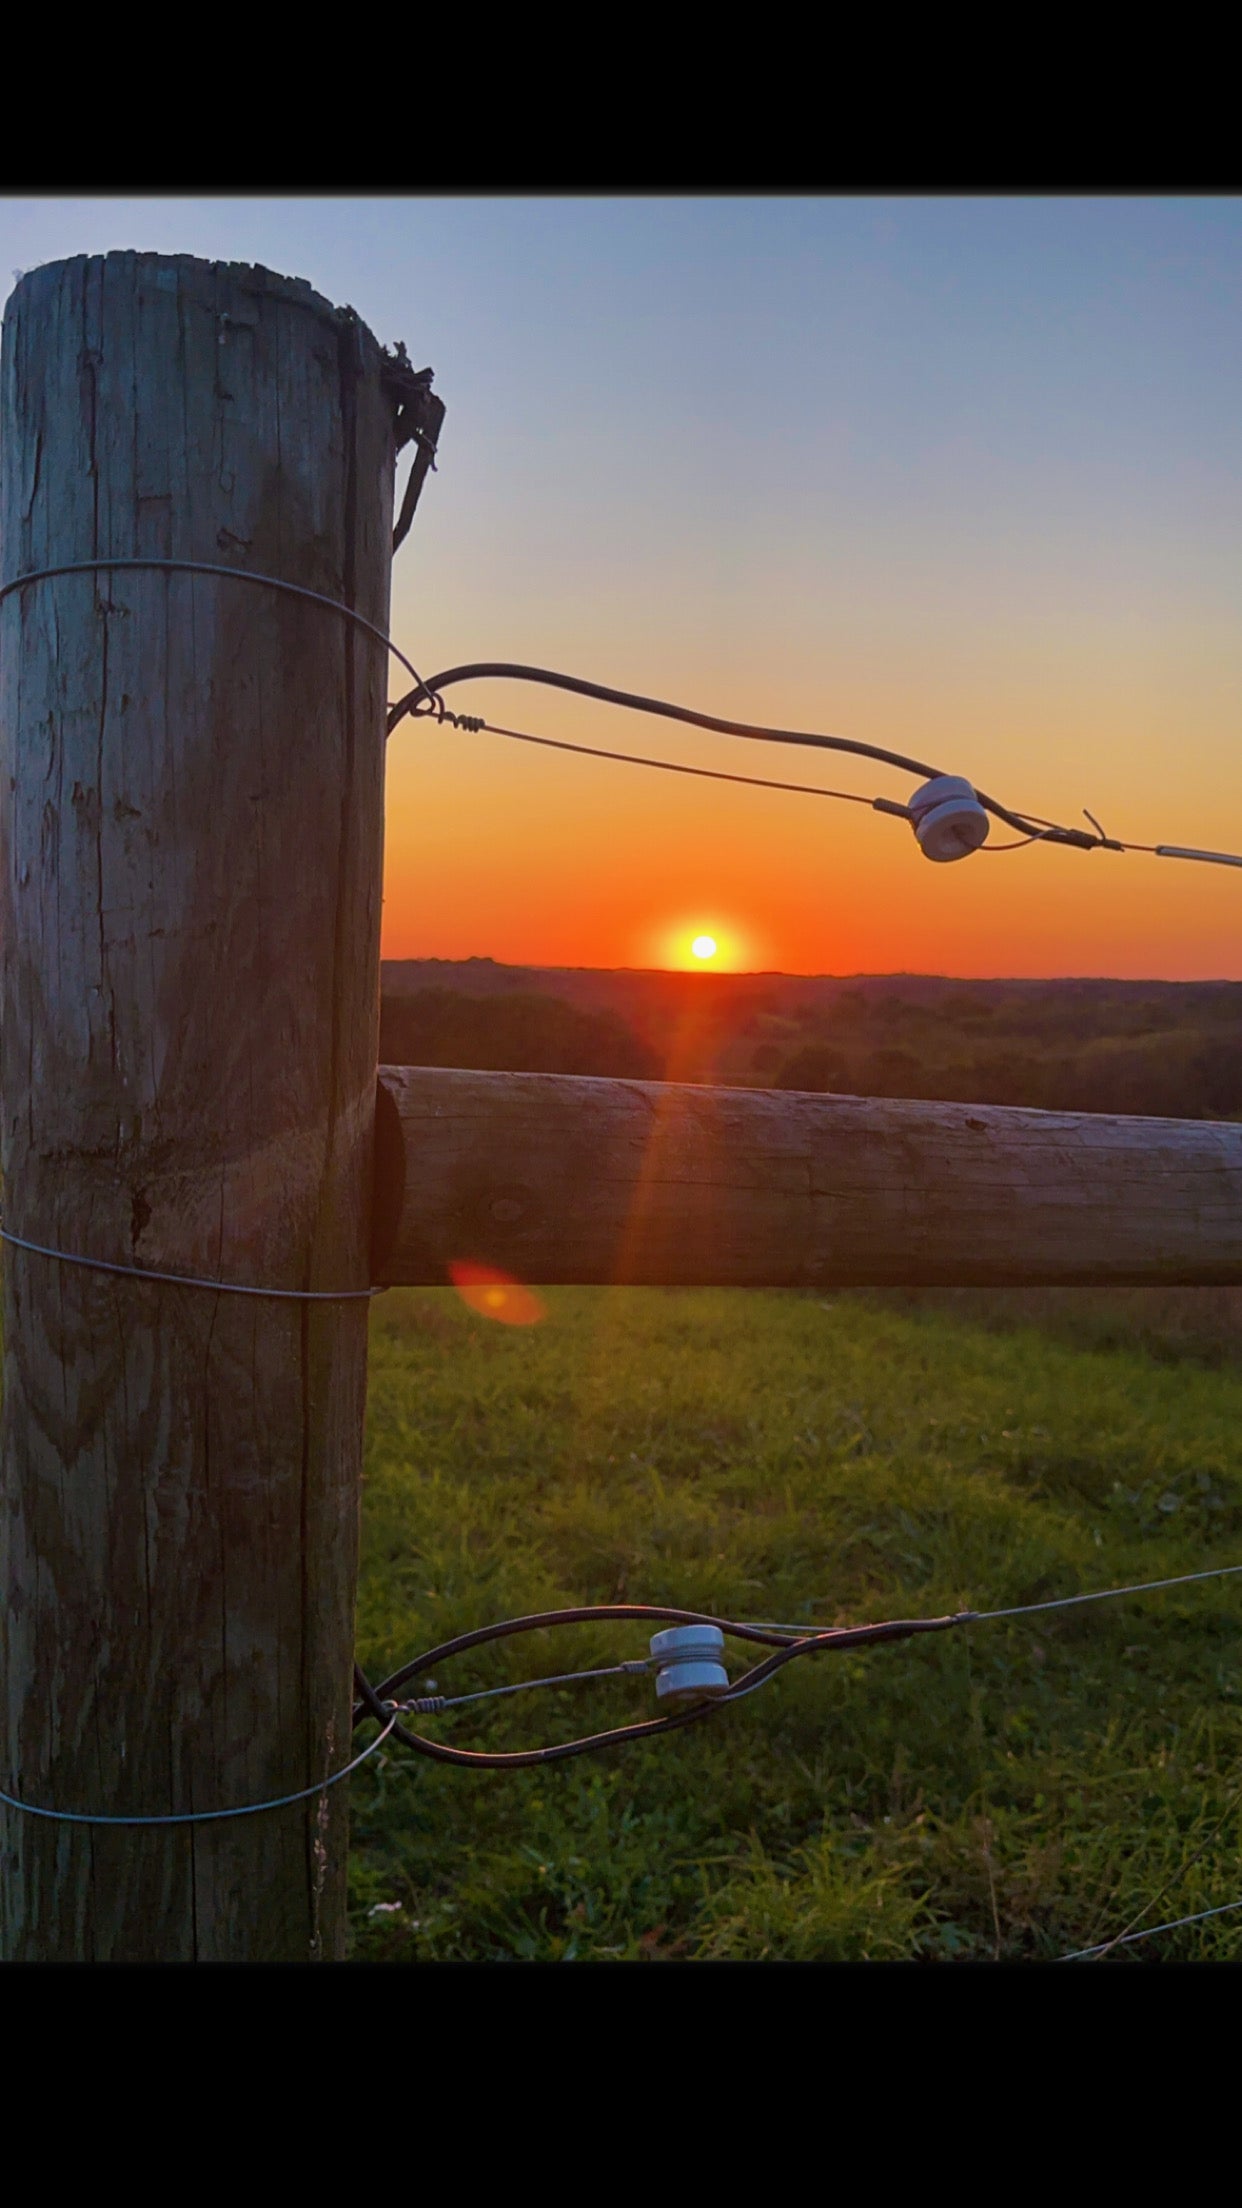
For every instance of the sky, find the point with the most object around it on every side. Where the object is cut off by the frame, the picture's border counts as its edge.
(956, 476)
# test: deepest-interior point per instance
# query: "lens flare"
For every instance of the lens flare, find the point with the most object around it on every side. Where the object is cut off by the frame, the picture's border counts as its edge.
(495, 1295)
(704, 946)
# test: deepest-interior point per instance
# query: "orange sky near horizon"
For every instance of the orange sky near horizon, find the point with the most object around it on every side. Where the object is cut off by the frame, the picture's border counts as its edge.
(498, 849)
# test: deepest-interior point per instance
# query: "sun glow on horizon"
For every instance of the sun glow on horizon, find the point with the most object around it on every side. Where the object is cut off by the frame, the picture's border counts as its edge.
(687, 944)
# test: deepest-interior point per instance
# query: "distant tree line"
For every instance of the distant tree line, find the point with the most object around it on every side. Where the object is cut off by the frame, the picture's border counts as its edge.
(510, 1034)
(1060, 1049)
(1173, 1076)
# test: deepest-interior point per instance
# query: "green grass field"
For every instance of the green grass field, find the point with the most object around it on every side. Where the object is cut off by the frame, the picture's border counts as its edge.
(1003, 1791)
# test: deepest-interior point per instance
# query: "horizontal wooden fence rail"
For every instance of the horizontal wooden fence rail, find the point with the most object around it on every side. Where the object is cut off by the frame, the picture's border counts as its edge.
(551, 1178)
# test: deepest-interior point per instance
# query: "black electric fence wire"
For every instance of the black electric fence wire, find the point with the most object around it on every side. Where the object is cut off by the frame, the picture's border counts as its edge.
(788, 1640)
(425, 700)
(375, 1701)
(426, 697)
(792, 1641)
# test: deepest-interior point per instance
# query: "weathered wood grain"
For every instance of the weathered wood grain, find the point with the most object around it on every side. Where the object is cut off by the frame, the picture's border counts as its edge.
(557, 1178)
(190, 877)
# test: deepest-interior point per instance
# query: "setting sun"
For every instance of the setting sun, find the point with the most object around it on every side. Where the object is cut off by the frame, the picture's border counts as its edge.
(684, 943)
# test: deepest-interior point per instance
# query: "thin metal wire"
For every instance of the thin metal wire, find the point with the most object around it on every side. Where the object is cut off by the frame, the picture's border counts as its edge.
(1042, 831)
(1099, 1594)
(294, 590)
(213, 567)
(1208, 858)
(205, 1816)
(1126, 1939)
(191, 1280)
(1062, 1602)
(430, 1705)
(664, 766)
(1024, 1609)
(1177, 1875)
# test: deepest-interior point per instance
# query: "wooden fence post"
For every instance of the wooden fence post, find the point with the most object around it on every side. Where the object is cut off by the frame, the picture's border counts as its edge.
(190, 880)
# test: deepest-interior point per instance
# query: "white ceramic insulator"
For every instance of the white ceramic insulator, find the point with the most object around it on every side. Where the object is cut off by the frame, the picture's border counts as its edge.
(948, 819)
(689, 1657)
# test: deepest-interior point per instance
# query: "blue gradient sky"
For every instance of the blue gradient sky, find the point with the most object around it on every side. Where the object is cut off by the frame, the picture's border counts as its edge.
(956, 476)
